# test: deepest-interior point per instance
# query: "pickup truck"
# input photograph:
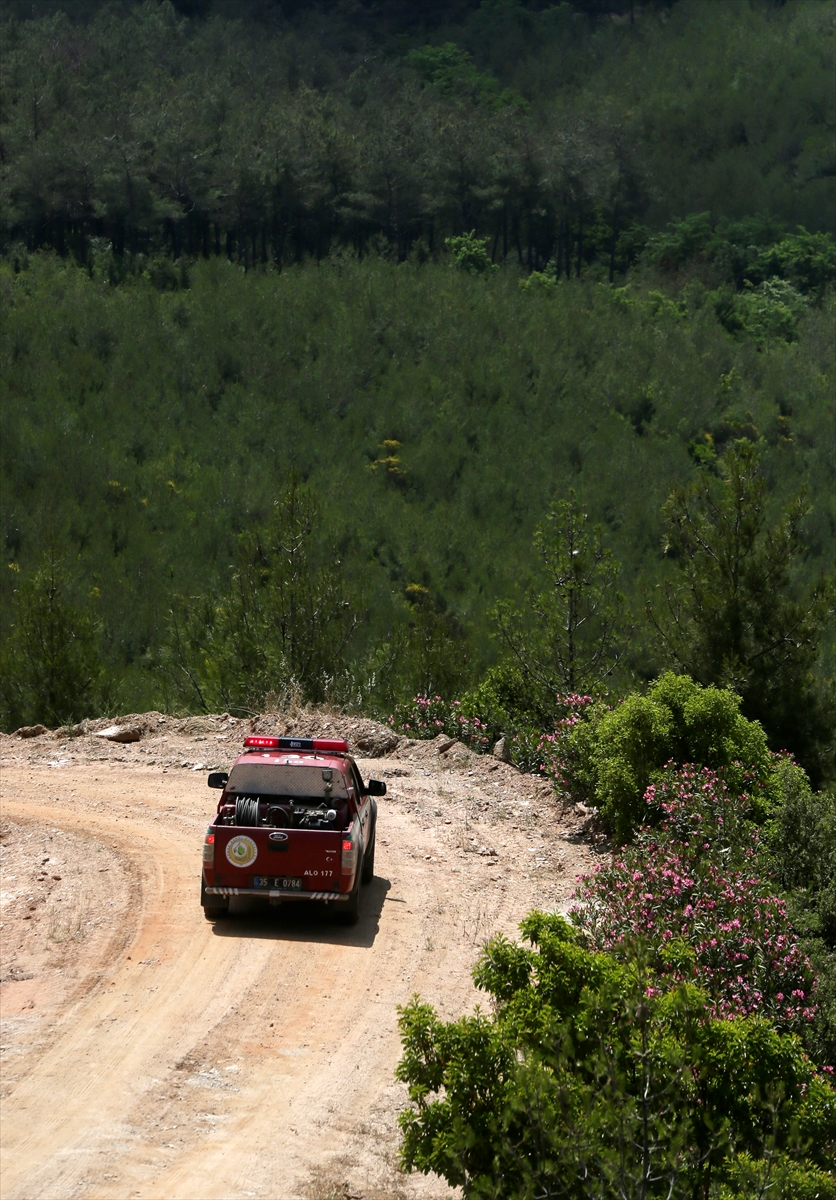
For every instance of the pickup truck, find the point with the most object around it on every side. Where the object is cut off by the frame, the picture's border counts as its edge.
(294, 822)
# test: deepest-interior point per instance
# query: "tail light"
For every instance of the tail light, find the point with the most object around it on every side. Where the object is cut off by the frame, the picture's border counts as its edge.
(209, 849)
(348, 863)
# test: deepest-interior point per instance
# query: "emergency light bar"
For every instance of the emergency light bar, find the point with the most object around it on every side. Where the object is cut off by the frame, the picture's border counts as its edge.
(311, 745)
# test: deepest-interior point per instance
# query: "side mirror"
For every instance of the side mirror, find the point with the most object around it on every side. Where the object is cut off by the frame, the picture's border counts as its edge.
(218, 779)
(375, 788)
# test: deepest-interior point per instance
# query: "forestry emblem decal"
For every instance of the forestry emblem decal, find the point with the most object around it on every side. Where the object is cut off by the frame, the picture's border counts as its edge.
(241, 851)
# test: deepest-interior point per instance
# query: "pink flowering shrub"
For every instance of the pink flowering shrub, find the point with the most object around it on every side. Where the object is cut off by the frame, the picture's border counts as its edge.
(690, 889)
(531, 750)
(544, 753)
(428, 716)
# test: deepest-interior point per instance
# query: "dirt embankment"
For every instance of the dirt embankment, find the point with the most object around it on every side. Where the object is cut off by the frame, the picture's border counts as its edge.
(148, 1053)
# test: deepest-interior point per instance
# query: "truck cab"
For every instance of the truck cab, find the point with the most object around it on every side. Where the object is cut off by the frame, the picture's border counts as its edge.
(294, 822)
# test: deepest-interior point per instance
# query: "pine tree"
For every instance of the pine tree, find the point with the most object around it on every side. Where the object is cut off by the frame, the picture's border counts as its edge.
(734, 615)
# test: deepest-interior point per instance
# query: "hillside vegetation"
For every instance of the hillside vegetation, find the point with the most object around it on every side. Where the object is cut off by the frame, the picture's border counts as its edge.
(558, 131)
(310, 320)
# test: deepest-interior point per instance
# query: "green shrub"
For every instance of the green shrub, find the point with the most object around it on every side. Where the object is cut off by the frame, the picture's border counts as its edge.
(50, 664)
(800, 844)
(799, 852)
(591, 1079)
(470, 254)
(612, 755)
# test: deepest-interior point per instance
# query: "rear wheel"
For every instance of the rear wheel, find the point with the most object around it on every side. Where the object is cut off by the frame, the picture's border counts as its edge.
(349, 912)
(213, 906)
(368, 858)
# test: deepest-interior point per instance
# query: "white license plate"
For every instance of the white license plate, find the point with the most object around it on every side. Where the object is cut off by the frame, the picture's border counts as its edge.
(278, 882)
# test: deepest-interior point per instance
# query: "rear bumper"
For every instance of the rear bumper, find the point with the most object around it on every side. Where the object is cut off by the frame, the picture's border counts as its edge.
(276, 894)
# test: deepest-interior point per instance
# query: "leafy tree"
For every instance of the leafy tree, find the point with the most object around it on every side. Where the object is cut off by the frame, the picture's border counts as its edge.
(569, 637)
(284, 623)
(807, 260)
(680, 241)
(424, 656)
(733, 616)
(450, 70)
(610, 756)
(593, 1078)
(50, 665)
(469, 253)
(768, 312)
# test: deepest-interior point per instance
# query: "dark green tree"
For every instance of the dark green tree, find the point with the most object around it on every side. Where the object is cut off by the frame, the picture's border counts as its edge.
(569, 636)
(49, 663)
(735, 616)
(283, 624)
(426, 654)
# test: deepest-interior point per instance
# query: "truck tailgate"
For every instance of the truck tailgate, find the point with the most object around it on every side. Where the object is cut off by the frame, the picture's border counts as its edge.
(306, 860)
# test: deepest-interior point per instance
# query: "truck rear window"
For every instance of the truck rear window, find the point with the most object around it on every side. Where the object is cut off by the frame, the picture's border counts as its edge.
(283, 779)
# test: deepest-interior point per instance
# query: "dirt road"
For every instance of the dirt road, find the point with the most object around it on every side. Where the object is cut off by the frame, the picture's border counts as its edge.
(149, 1053)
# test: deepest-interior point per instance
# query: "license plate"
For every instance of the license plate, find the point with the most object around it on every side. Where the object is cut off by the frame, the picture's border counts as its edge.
(280, 882)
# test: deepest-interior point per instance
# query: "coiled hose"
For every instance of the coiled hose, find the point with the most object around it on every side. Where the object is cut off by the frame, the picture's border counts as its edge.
(246, 810)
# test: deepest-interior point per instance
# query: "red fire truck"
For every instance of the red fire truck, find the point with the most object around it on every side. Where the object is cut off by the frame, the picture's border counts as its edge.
(294, 822)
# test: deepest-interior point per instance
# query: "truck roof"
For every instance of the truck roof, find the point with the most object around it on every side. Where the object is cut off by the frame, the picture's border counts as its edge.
(313, 752)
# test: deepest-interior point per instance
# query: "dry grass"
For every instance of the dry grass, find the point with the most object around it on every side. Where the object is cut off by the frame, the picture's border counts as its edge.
(328, 1183)
(474, 919)
(67, 922)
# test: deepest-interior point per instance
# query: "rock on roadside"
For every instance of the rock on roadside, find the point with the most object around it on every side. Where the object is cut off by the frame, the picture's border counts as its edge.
(502, 751)
(120, 733)
(376, 743)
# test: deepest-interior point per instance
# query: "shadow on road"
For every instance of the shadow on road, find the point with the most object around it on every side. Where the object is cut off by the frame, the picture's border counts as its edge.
(300, 922)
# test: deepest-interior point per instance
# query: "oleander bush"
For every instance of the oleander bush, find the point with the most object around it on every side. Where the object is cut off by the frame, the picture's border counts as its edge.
(693, 889)
(428, 716)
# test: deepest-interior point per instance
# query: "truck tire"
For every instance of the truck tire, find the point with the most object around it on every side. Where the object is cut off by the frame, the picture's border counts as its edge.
(213, 906)
(349, 912)
(368, 858)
